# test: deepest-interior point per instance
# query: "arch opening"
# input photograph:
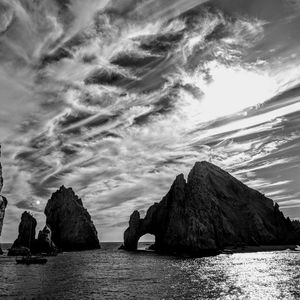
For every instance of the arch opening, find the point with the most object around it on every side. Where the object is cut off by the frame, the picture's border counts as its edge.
(146, 241)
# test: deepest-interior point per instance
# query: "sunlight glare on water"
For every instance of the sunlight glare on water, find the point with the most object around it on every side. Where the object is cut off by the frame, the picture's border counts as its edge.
(112, 274)
(273, 275)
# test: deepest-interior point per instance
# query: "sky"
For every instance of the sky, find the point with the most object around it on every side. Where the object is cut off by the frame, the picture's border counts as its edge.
(114, 98)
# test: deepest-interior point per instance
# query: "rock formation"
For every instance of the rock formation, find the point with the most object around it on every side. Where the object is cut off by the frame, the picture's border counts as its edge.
(3, 203)
(208, 212)
(71, 224)
(27, 244)
(44, 243)
(26, 237)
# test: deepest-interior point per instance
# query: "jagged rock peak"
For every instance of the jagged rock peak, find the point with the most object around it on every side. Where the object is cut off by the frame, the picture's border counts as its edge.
(204, 168)
(70, 223)
(3, 201)
(210, 211)
(44, 242)
(64, 194)
(26, 242)
(3, 205)
(26, 236)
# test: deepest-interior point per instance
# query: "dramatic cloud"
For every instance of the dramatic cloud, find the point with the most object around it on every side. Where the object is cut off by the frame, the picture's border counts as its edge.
(116, 98)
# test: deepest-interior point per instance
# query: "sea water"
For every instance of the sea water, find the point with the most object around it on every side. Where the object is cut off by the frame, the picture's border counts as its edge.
(113, 274)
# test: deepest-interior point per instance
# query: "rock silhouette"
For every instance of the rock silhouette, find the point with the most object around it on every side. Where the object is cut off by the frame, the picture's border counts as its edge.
(208, 212)
(26, 238)
(70, 223)
(3, 202)
(44, 243)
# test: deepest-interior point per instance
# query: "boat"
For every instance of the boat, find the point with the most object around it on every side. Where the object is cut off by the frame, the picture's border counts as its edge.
(30, 260)
(297, 248)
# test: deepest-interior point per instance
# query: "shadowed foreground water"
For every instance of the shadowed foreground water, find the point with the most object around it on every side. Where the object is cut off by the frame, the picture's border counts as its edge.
(112, 274)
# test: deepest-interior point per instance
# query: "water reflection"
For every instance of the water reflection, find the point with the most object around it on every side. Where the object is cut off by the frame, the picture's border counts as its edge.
(112, 274)
(268, 275)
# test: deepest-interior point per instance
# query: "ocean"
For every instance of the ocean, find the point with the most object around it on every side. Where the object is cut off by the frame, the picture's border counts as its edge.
(113, 274)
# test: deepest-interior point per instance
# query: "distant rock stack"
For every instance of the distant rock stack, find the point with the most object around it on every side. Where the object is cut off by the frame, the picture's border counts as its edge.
(44, 243)
(70, 223)
(26, 243)
(3, 202)
(26, 238)
(211, 211)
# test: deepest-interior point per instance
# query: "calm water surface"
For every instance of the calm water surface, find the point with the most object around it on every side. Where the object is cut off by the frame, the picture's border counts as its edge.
(112, 274)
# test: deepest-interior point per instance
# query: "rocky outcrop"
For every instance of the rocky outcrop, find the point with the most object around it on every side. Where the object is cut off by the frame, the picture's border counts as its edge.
(44, 243)
(209, 212)
(3, 203)
(70, 223)
(69, 227)
(26, 237)
(27, 244)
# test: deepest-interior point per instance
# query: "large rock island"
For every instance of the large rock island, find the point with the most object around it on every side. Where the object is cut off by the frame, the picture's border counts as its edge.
(210, 211)
(70, 223)
(3, 202)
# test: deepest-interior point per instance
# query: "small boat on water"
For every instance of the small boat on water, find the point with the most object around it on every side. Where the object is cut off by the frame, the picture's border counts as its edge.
(32, 260)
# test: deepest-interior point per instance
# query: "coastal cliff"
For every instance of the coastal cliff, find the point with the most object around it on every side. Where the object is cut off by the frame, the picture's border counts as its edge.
(210, 211)
(3, 202)
(70, 223)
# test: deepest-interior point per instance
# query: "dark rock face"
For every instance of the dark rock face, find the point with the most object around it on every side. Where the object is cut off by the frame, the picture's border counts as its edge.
(3, 203)
(26, 237)
(27, 244)
(44, 243)
(71, 224)
(209, 212)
